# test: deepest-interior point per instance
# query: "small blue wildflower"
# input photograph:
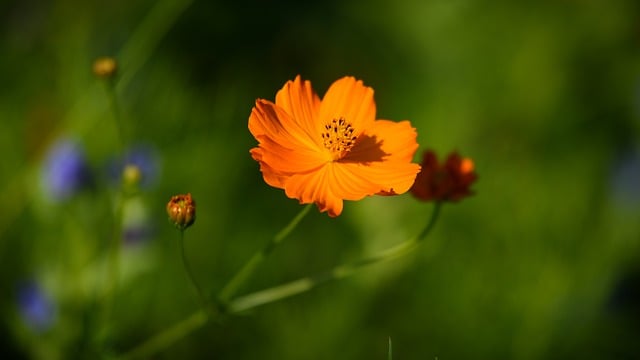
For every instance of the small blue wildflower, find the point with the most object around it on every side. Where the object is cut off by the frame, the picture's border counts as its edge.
(65, 170)
(36, 308)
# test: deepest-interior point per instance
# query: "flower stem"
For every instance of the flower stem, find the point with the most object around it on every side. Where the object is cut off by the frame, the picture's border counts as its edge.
(168, 337)
(113, 263)
(189, 274)
(305, 284)
(114, 254)
(229, 290)
(199, 318)
(118, 119)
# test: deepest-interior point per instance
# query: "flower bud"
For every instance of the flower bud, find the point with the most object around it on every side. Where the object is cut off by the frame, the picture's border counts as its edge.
(105, 67)
(182, 211)
(131, 175)
(448, 181)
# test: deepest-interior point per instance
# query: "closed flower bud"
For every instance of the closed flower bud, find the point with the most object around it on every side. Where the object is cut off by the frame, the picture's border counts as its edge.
(105, 67)
(182, 211)
(131, 175)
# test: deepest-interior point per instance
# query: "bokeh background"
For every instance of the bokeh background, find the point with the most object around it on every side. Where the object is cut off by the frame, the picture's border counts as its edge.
(542, 263)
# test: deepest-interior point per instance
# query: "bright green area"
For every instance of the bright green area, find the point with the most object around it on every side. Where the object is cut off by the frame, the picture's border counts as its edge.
(543, 95)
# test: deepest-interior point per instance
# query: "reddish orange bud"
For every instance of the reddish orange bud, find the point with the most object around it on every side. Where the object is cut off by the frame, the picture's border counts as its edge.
(182, 211)
(444, 182)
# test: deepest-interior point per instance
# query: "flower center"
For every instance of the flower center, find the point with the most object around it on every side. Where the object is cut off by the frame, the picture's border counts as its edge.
(338, 137)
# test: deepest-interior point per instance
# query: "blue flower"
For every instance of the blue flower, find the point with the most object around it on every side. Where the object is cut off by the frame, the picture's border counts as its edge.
(36, 308)
(65, 170)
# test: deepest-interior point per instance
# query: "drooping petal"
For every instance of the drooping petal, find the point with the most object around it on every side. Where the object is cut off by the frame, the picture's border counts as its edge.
(315, 187)
(351, 185)
(270, 176)
(289, 161)
(349, 99)
(298, 99)
(377, 178)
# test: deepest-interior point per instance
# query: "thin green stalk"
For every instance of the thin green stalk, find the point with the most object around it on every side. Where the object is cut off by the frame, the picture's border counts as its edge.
(118, 117)
(305, 284)
(229, 290)
(202, 301)
(168, 337)
(199, 318)
(114, 251)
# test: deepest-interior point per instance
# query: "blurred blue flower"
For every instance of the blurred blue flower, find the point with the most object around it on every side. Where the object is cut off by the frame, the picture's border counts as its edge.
(144, 158)
(65, 170)
(36, 308)
(625, 180)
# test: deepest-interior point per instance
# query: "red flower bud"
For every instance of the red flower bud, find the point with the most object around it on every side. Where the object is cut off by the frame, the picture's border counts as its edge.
(182, 211)
(448, 181)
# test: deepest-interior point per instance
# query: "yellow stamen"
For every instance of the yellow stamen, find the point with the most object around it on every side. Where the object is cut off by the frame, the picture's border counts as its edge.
(338, 137)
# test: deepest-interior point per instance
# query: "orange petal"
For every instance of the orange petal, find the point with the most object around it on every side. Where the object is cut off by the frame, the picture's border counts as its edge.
(348, 98)
(314, 187)
(298, 99)
(285, 160)
(270, 176)
(268, 119)
(398, 139)
(385, 141)
(377, 177)
(350, 184)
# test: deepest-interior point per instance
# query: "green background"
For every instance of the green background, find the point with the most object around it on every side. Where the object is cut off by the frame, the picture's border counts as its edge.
(542, 263)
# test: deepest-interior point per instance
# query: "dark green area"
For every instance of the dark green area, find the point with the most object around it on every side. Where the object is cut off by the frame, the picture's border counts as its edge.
(542, 263)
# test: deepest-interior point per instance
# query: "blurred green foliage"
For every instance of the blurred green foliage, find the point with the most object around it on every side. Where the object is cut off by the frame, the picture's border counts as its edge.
(543, 263)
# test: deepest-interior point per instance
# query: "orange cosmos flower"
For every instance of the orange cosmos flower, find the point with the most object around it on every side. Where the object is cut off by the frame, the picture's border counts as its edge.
(330, 150)
(444, 182)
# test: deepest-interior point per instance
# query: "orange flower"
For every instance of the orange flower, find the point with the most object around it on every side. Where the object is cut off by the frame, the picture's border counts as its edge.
(444, 182)
(330, 150)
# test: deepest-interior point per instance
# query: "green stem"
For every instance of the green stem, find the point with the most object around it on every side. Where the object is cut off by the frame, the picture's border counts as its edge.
(168, 337)
(115, 248)
(305, 284)
(199, 318)
(229, 290)
(118, 118)
(189, 274)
